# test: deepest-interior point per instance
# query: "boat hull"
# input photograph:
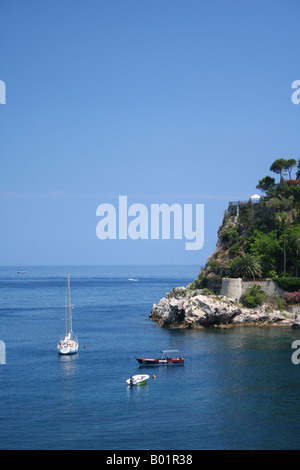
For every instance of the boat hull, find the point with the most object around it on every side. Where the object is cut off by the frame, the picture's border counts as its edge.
(137, 380)
(160, 362)
(67, 352)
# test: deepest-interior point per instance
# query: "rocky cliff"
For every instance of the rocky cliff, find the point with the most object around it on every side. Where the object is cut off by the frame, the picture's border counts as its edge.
(255, 240)
(185, 308)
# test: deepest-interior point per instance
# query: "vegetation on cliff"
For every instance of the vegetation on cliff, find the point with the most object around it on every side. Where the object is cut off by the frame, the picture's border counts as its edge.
(260, 239)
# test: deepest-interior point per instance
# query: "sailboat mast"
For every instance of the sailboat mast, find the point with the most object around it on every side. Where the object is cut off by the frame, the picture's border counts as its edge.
(66, 316)
(70, 307)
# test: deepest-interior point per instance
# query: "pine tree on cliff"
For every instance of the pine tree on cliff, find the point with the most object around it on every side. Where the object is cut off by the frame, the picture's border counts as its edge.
(278, 166)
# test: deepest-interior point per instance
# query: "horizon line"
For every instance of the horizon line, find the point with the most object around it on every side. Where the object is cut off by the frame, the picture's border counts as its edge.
(96, 265)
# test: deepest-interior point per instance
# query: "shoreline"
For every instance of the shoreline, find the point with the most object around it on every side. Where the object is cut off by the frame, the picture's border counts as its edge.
(183, 308)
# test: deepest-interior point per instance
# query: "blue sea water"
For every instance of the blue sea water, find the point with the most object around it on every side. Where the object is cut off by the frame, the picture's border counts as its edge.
(237, 390)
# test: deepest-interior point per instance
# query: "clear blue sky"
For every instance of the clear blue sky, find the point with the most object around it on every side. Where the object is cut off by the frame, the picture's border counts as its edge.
(162, 101)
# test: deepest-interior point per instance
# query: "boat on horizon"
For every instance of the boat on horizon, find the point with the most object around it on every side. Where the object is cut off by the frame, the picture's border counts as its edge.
(167, 359)
(137, 380)
(69, 343)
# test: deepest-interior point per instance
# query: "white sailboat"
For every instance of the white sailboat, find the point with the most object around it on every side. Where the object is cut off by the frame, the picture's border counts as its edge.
(21, 271)
(68, 344)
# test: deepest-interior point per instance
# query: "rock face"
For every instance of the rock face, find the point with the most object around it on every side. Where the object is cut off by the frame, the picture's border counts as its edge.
(183, 308)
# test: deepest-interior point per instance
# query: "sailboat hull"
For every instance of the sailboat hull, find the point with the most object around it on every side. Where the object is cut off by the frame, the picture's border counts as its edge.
(68, 351)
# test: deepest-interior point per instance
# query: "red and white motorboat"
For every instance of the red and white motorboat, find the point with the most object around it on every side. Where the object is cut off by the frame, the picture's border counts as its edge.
(166, 359)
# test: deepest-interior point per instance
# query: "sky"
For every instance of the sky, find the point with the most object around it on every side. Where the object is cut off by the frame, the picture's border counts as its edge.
(175, 102)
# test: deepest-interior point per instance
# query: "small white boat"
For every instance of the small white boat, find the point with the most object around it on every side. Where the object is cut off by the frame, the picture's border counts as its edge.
(137, 380)
(68, 344)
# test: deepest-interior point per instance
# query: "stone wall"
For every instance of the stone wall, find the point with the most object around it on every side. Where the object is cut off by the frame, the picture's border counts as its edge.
(232, 288)
(235, 288)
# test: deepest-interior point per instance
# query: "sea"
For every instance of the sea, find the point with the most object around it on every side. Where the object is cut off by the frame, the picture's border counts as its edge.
(238, 389)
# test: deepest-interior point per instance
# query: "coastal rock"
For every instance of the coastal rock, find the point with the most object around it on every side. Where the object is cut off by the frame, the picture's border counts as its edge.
(182, 308)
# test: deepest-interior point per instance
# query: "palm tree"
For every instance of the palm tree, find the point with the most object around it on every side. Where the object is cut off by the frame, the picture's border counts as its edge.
(296, 242)
(255, 289)
(285, 219)
(246, 266)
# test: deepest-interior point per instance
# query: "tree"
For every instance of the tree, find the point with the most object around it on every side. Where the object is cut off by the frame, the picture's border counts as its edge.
(266, 184)
(266, 248)
(285, 219)
(298, 172)
(296, 243)
(246, 266)
(290, 165)
(293, 247)
(294, 192)
(278, 166)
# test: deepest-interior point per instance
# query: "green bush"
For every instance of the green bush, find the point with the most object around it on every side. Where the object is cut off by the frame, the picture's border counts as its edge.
(288, 284)
(214, 266)
(206, 291)
(234, 249)
(249, 301)
(230, 235)
(259, 298)
(196, 284)
(253, 297)
(271, 274)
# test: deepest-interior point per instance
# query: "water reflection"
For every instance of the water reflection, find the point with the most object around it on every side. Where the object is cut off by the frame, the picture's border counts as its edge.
(69, 364)
(137, 391)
